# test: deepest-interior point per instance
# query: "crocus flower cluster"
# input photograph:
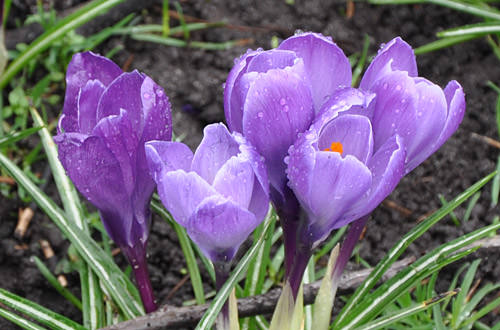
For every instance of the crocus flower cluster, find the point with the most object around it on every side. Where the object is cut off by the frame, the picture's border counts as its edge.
(107, 117)
(340, 150)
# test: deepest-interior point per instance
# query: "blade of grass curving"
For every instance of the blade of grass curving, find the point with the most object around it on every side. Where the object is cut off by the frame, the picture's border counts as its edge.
(403, 244)
(453, 284)
(93, 309)
(453, 216)
(16, 136)
(182, 21)
(19, 320)
(480, 29)
(470, 206)
(55, 283)
(41, 314)
(192, 265)
(461, 299)
(152, 28)
(438, 318)
(442, 43)
(373, 303)
(191, 44)
(356, 73)
(327, 248)
(482, 312)
(210, 315)
(119, 286)
(478, 297)
(96, 39)
(60, 29)
(406, 312)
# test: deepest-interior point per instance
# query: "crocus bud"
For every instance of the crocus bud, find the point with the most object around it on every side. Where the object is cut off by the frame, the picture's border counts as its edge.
(107, 117)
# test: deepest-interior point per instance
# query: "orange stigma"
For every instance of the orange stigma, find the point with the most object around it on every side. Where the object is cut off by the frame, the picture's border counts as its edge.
(335, 147)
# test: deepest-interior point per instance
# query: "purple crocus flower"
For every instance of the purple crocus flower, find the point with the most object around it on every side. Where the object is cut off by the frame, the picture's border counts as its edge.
(107, 117)
(219, 193)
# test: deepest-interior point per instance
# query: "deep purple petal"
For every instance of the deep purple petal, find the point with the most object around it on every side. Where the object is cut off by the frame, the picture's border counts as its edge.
(217, 146)
(182, 192)
(394, 55)
(300, 163)
(167, 156)
(156, 111)
(387, 167)
(278, 107)
(82, 68)
(219, 226)
(233, 102)
(354, 132)
(394, 108)
(235, 181)
(327, 67)
(88, 99)
(124, 93)
(117, 135)
(431, 117)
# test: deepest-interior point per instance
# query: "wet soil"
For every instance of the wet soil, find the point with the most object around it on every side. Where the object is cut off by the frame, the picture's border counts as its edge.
(193, 80)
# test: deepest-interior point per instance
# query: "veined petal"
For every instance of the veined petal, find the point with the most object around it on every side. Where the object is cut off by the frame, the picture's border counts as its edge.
(88, 99)
(235, 181)
(271, 59)
(167, 156)
(82, 68)
(156, 112)
(217, 146)
(301, 162)
(233, 101)
(124, 93)
(182, 192)
(396, 55)
(278, 107)
(326, 66)
(354, 132)
(219, 226)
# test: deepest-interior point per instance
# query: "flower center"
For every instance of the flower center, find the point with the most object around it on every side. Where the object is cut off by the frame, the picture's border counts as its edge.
(335, 147)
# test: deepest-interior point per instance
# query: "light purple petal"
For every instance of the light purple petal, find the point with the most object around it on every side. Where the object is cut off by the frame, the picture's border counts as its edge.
(431, 110)
(167, 156)
(300, 163)
(327, 67)
(219, 226)
(117, 135)
(217, 146)
(387, 167)
(82, 68)
(393, 56)
(233, 101)
(182, 192)
(235, 181)
(88, 99)
(124, 93)
(354, 132)
(271, 59)
(278, 108)
(394, 108)
(156, 111)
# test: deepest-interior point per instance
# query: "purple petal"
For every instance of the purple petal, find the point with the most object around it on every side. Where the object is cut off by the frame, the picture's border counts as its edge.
(88, 99)
(124, 93)
(117, 135)
(301, 162)
(326, 65)
(166, 156)
(219, 226)
(182, 192)
(156, 110)
(271, 59)
(82, 68)
(431, 110)
(233, 102)
(354, 132)
(393, 56)
(394, 109)
(387, 168)
(235, 181)
(279, 106)
(217, 146)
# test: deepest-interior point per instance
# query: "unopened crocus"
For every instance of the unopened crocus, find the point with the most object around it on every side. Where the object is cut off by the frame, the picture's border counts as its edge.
(108, 116)
(219, 193)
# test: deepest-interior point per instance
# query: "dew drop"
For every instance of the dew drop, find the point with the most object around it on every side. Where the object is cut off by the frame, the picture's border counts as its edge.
(260, 114)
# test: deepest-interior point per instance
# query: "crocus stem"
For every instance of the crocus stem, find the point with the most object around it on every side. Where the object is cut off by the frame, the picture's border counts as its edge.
(294, 277)
(222, 270)
(137, 259)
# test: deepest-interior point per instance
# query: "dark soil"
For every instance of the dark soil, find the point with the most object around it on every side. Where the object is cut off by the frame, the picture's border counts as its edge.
(193, 81)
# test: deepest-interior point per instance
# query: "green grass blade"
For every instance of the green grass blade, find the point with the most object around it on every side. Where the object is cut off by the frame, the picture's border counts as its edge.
(479, 29)
(156, 28)
(402, 244)
(478, 297)
(16, 136)
(443, 43)
(55, 283)
(210, 315)
(356, 73)
(461, 299)
(93, 310)
(19, 320)
(182, 43)
(470, 206)
(404, 313)
(192, 265)
(41, 314)
(120, 287)
(43, 42)
(482, 312)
